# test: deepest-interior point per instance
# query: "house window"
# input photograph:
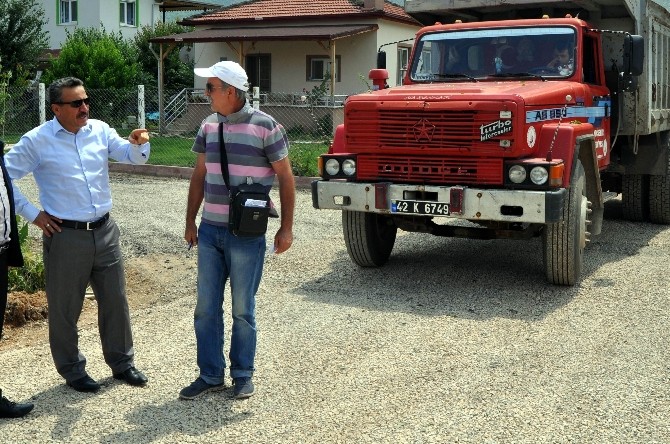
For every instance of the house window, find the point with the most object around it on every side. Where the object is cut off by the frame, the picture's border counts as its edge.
(403, 60)
(67, 12)
(128, 12)
(318, 68)
(425, 62)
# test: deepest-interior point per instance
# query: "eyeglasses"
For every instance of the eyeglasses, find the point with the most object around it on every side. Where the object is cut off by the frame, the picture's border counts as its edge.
(209, 87)
(75, 103)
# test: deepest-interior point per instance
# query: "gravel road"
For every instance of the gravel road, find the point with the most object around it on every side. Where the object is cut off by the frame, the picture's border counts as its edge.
(452, 341)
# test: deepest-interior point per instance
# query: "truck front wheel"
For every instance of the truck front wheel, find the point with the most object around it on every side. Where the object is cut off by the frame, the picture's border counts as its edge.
(564, 242)
(369, 237)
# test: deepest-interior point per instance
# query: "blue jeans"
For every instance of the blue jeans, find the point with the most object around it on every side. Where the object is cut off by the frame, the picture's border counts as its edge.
(221, 256)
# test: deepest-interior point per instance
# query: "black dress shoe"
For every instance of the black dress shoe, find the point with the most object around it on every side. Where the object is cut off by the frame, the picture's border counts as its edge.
(132, 376)
(84, 384)
(9, 409)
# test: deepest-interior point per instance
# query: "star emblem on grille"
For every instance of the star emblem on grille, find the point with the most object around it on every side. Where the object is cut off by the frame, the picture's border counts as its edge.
(423, 131)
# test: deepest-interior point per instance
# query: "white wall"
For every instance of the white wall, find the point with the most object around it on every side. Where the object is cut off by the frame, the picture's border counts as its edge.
(91, 13)
(358, 54)
(394, 32)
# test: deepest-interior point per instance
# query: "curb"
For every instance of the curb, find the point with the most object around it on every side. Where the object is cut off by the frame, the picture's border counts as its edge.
(301, 182)
(151, 170)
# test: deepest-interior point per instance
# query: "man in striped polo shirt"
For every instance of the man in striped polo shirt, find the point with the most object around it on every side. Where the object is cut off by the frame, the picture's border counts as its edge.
(257, 150)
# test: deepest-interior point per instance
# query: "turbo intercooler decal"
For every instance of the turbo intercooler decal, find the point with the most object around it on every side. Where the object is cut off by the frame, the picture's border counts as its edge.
(495, 129)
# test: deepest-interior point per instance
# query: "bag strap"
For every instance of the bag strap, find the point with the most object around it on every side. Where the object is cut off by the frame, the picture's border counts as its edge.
(224, 158)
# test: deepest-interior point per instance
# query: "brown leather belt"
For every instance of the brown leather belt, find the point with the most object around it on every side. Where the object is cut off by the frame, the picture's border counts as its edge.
(85, 225)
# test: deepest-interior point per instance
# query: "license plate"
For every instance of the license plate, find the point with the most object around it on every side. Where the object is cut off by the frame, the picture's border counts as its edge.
(420, 207)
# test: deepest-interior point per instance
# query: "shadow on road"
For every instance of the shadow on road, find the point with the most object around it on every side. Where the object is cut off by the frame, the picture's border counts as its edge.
(432, 276)
(152, 421)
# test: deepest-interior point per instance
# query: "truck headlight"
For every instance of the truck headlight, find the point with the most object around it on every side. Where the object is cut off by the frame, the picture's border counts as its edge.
(517, 174)
(332, 167)
(349, 167)
(539, 175)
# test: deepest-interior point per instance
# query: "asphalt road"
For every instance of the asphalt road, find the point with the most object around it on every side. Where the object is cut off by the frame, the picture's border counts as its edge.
(452, 341)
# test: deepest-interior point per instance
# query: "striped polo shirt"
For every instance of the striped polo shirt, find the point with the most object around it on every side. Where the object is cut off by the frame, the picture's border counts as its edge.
(253, 141)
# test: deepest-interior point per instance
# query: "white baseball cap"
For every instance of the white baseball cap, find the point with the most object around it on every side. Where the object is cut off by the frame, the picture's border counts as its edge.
(229, 72)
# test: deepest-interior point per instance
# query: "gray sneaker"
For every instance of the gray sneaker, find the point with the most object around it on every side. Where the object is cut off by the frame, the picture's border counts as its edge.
(199, 387)
(243, 388)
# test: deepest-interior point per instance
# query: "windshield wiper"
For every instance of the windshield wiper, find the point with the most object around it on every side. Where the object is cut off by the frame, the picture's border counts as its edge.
(458, 75)
(518, 74)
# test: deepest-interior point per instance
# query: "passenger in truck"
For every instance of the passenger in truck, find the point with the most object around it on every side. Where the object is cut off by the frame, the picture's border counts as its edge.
(455, 63)
(506, 59)
(525, 51)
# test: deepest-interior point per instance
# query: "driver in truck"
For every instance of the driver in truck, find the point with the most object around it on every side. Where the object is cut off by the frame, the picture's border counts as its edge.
(563, 60)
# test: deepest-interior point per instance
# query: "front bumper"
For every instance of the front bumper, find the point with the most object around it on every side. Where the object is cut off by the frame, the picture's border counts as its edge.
(475, 204)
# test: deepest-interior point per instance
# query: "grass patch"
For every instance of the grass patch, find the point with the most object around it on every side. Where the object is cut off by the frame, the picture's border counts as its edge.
(175, 151)
(304, 157)
(172, 151)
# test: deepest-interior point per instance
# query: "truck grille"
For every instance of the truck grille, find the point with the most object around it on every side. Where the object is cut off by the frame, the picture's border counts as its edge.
(419, 129)
(429, 169)
(436, 146)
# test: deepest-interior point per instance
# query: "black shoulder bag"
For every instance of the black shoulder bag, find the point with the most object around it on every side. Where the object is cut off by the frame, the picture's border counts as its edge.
(249, 203)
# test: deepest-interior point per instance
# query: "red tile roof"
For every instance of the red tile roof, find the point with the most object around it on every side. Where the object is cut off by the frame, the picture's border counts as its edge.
(255, 10)
(275, 33)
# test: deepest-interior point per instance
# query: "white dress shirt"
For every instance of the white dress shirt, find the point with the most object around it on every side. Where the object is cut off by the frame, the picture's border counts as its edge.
(71, 170)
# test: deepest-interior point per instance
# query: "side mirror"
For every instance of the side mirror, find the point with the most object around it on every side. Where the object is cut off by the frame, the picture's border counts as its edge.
(633, 55)
(381, 60)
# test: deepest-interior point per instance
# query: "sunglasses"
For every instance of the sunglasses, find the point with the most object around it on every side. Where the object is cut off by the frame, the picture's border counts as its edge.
(75, 103)
(209, 87)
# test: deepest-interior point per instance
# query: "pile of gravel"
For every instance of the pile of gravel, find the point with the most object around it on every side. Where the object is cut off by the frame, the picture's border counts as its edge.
(453, 340)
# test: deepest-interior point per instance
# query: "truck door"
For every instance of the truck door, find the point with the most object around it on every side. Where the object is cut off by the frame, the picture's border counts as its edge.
(600, 100)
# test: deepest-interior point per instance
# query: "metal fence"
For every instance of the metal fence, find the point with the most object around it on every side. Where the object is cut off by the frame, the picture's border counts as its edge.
(308, 120)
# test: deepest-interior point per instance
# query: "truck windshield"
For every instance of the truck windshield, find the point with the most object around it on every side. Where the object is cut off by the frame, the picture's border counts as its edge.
(497, 52)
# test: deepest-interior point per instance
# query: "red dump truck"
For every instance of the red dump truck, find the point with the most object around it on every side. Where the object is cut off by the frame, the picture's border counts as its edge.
(515, 119)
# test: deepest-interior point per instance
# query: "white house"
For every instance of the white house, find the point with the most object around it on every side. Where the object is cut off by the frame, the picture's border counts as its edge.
(291, 45)
(126, 16)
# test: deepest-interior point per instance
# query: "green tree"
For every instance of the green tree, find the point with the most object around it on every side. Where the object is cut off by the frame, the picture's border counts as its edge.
(176, 74)
(22, 36)
(100, 59)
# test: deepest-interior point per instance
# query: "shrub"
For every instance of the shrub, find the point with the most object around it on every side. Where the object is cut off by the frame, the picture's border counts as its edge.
(30, 278)
(100, 59)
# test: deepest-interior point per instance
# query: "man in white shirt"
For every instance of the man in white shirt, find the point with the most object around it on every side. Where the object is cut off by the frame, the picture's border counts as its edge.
(68, 157)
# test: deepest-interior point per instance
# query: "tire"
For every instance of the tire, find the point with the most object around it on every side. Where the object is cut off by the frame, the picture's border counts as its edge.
(369, 237)
(635, 197)
(564, 242)
(659, 196)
